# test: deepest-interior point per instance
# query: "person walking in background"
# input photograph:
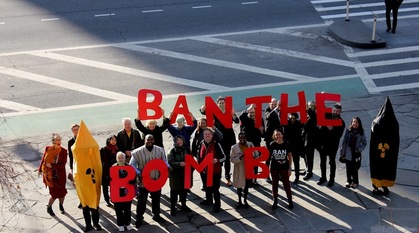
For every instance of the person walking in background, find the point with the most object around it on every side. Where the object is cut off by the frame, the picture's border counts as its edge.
(108, 158)
(330, 137)
(392, 5)
(52, 169)
(354, 142)
(239, 178)
(176, 160)
(152, 128)
(128, 138)
(280, 167)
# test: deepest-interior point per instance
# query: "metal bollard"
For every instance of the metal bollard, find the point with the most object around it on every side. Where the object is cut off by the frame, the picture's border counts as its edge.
(347, 10)
(374, 28)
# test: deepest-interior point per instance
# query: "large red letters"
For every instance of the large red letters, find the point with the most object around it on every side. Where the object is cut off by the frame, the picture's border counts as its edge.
(117, 182)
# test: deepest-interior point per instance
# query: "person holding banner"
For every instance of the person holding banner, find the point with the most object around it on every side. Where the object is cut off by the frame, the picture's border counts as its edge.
(330, 137)
(182, 129)
(123, 209)
(52, 168)
(152, 128)
(211, 147)
(280, 157)
(176, 160)
(140, 157)
(239, 177)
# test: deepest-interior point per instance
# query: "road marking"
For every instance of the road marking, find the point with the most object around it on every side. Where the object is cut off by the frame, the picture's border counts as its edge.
(335, 16)
(65, 84)
(17, 106)
(383, 51)
(153, 11)
(390, 62)
(327, 1)
(1, 23)
(200, 7)
(284, 52)
(127, 70)
(398, 87)
(248, 3)
(50, 19)
(395, 74)
(105, 15)
(215, 62)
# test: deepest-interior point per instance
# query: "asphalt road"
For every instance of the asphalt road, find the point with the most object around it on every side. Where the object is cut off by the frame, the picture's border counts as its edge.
(61, 62)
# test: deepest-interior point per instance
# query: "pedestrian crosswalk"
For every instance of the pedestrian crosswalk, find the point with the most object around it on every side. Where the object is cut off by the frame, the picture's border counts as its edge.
(363, 10)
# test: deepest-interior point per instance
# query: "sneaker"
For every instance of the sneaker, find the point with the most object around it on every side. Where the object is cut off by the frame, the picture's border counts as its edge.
(303, 172)
(121, 228)
(322, 181)
(159, 219)
(108, 204)
(347, 184)
(50, 211)
(62, 209)
(228, 183)
(354, 185)
(129, 227)
(377, 192)
(330, 183)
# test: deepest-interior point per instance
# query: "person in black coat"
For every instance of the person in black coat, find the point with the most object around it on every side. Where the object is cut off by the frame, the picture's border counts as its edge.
(152, 128)
(392, 5)
(128, 138)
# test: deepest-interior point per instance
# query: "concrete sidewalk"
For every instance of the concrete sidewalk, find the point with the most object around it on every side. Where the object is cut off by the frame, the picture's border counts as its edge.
(317, 208)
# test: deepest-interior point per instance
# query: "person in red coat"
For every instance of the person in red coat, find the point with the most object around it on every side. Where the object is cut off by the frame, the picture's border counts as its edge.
(52, 168)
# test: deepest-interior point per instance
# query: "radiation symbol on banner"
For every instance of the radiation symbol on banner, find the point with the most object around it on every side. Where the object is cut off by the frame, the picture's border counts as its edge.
(383, 147)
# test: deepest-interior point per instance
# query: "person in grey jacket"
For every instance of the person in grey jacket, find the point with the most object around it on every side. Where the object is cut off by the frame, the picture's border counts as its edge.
(354, 142)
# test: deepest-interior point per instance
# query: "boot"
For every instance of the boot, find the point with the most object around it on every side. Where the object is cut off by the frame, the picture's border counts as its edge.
(49, 211)
(290, 205)
(62, 209)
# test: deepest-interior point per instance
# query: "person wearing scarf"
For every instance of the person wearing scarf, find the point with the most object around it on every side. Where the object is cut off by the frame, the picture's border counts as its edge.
(108, 158)
(52, 168)
(354, 142)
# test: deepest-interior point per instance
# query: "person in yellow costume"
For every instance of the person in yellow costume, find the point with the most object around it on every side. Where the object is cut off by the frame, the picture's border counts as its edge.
(87, 176)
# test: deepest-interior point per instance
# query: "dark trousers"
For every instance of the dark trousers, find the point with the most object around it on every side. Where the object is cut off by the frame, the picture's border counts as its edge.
(244, 190)
(296, 161)
(142, 202)
(309, 158)
(395, 8)
(105, 191)
(324, 154)
(123, 213)
(227, 163)
(283, 176)
(213, 192)
(174, 197)
(351, 172)
(89, 218)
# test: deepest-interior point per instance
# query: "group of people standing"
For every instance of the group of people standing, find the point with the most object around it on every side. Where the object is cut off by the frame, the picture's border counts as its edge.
(137, 147)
